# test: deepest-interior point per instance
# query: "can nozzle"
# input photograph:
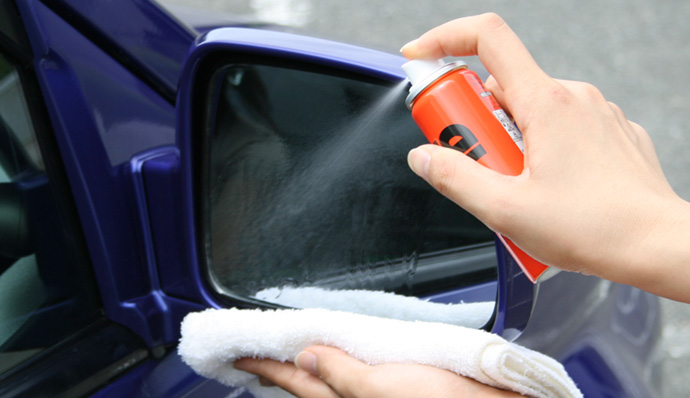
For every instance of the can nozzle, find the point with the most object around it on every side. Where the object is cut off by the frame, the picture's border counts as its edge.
(422, 73)
(418, 70)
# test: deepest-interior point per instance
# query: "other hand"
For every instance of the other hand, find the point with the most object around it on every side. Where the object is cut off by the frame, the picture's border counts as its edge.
(592, 197)
(325, 372)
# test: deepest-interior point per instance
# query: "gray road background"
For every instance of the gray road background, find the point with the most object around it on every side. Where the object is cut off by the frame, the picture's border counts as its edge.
(636, 52)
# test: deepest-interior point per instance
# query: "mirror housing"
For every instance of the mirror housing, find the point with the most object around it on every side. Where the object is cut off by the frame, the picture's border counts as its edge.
(222, 46)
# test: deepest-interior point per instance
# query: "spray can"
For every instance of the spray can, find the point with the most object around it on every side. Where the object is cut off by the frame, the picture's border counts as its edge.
(453, 109)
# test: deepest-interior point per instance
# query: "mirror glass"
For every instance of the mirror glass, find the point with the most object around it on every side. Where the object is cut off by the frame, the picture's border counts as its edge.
(309, 202)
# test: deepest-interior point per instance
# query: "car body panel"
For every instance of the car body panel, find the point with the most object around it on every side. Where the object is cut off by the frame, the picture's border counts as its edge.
(139, 34)
(102, 116)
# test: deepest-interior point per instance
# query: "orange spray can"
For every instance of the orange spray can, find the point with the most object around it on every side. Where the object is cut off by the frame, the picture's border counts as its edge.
(452, 107)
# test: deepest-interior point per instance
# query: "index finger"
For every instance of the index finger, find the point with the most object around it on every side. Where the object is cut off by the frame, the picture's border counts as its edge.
(489, 37)
(343, 373)
(287, 376)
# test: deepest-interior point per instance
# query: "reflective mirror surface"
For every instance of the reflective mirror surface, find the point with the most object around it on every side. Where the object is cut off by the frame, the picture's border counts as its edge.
(309, 200)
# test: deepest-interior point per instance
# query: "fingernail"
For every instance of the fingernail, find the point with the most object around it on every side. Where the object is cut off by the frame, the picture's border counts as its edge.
(306, 361)
(418, 160)
(410, 44)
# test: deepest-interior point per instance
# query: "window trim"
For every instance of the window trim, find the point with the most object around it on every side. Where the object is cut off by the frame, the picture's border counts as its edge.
(78, 365)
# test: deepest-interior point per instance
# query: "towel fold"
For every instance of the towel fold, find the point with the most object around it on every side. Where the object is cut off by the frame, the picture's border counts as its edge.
(213, 339)
(381, 304)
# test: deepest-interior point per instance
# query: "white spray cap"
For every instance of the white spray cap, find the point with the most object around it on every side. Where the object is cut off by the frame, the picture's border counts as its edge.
(423, 73)
(418, 70)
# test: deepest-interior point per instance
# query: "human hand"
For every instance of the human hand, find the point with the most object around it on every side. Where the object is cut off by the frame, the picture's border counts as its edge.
(592, 197)
(325, 372)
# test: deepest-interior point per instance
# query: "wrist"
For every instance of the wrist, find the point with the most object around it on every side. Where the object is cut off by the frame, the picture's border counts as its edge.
(659, 261)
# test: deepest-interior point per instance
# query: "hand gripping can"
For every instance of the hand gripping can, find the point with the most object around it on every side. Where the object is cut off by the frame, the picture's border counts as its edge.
(453, 109)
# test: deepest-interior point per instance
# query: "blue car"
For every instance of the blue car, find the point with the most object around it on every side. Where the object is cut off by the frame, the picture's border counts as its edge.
(149, 169)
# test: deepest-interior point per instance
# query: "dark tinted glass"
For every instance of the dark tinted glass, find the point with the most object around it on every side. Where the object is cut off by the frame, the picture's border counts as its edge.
(308, 185)
(47, 292)
(10, 24)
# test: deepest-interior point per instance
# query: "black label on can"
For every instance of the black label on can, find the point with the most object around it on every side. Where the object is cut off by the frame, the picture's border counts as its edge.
(459, 137)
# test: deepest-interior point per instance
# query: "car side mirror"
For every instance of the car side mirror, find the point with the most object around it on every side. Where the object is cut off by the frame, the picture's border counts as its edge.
(295, 151)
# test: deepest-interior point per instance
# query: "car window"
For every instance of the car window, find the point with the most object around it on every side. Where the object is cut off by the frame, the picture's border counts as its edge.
(46, 290)
(307, 185)
(9, 26)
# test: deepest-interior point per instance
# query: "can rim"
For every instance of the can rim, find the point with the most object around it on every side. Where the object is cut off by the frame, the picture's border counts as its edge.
(417, 89)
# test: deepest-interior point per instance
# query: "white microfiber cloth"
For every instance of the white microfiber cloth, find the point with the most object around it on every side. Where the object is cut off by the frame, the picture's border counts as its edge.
(213, 339)
(382, 304)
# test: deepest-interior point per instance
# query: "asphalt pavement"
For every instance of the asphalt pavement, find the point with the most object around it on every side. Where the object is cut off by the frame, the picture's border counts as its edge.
(636, 52)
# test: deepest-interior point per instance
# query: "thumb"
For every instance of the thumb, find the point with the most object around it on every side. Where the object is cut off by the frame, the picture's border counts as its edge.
(478, 189)
(335, 367)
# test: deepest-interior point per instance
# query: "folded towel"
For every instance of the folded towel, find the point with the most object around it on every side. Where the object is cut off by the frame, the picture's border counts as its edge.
(382, 304)
(213, 339)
